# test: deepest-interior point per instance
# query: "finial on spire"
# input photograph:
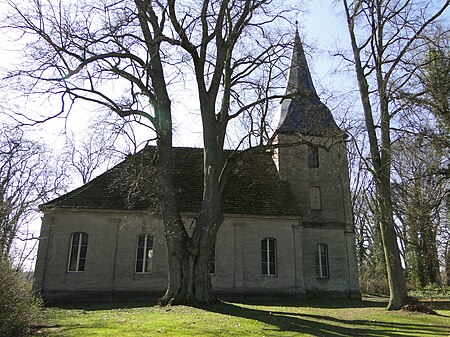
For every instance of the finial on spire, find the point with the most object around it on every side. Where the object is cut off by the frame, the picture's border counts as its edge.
(299, 78)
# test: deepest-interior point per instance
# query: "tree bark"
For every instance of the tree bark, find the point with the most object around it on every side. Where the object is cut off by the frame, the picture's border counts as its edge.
(395, 273)
(188, 257)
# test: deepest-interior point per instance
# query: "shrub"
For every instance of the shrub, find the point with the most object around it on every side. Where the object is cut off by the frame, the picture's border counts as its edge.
(19, 308)
(431, 291)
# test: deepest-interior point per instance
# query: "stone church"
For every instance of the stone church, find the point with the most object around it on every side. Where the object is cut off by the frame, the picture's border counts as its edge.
(288, 226)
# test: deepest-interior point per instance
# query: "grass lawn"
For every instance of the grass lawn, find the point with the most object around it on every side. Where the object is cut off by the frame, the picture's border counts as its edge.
(274, 318)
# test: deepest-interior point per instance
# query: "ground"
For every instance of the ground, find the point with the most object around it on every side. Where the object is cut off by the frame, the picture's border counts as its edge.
(244, 318)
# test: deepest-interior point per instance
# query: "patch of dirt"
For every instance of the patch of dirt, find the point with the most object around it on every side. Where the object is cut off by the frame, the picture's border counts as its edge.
(419, 308)
(43, 329)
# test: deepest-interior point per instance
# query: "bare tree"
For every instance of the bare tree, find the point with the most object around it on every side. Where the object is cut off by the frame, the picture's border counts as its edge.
(233, 50)
(94, 152)
(385, 37)
(27, 178)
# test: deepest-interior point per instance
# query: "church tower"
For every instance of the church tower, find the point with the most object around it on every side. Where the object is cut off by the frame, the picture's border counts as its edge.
(312, 158)
(316, 164)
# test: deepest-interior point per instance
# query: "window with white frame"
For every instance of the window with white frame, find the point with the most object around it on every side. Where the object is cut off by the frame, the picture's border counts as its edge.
(269, 256)
(78, 251)
(322, 270)
(144, 254)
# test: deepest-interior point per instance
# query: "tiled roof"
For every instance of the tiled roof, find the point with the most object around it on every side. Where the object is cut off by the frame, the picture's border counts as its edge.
(253, 186)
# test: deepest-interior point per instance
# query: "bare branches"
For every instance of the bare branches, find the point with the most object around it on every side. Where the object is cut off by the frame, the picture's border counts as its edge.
(76, 50)
(27, 178)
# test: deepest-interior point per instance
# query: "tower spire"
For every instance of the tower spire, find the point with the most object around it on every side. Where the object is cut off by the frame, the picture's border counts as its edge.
(299, 78)
(302, 112)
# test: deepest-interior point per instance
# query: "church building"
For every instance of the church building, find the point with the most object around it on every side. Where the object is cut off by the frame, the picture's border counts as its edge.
(288, 226)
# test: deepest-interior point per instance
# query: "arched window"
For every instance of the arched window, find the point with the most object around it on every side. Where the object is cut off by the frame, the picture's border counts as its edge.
(315, 198)
(144, 254)
(78, 251)
(321, 258)
(269, 256)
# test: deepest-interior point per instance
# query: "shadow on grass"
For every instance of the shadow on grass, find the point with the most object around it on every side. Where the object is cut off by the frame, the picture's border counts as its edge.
(275, 318)
(437, 304)
(326, 326)
(268, 301)
(375, 302)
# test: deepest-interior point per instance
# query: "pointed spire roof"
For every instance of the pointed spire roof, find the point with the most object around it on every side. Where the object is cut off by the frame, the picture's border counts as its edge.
(299, 78)
(302, 111)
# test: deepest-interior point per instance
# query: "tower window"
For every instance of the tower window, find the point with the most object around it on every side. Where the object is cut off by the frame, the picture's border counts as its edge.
(315, 198)
(313, 156)
(321, 258)
(269, 256)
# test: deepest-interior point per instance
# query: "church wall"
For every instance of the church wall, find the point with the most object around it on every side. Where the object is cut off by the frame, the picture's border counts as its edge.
(238, 256)
(97, 276)
(111, 257)
(125, 277)
(338, 280)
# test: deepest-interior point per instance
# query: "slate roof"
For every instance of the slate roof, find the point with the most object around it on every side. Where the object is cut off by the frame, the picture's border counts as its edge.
(253, 187)
(308, 117)
(303, 112)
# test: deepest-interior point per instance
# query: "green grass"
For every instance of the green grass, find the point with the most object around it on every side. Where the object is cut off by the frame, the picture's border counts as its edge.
(279, 318)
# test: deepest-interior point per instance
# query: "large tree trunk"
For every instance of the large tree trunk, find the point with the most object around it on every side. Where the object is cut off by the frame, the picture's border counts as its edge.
(205, 232)
(396, 277)
(382, 159)
(181, 253)
(176, 236)
(189, 278)
(188, 258)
